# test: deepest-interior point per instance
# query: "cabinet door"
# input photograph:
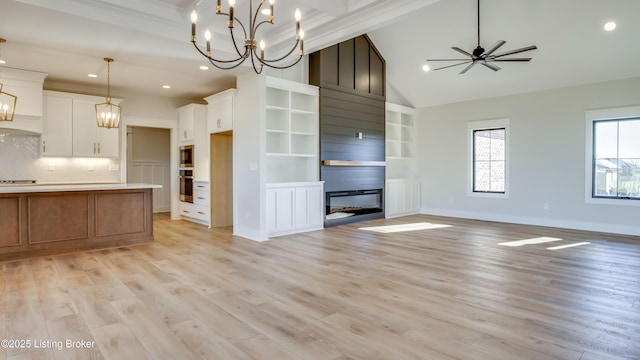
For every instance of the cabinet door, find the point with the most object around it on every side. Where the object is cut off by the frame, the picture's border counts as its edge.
(85, 129)
(185, 124)
(57, 126)
(108, 144)
(280, 203)
(308, 207)
(221, 115)
(395, 198)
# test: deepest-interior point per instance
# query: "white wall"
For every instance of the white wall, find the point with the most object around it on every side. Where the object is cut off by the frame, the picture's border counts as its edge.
(248, 147)
(547, 158)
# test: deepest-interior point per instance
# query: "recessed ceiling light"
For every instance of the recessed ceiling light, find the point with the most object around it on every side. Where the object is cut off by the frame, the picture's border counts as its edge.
(92, 75)
(2, 61)
(426, 67)
(610, 26)
(204, 67)
(166, 86)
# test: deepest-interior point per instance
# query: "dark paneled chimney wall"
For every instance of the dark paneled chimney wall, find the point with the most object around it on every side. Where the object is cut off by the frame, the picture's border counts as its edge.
(351, 77)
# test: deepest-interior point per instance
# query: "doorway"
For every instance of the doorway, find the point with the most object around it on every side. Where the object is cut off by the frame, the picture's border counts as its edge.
(149, 162)
(221, 155)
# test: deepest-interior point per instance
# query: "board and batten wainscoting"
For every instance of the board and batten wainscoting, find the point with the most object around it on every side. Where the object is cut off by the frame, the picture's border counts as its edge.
(153, 172)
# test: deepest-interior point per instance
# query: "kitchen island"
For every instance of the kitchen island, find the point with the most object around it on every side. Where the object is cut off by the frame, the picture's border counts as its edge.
(59, 218)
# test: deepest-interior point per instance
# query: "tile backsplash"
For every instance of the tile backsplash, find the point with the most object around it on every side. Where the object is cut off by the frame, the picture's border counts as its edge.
(20, 160)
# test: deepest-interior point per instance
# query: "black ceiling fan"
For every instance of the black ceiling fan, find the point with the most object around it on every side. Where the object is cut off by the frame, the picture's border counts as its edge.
(484, 57)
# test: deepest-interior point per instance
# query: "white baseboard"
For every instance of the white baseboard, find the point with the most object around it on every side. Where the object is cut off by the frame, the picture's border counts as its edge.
(249, 234)
(525, 220)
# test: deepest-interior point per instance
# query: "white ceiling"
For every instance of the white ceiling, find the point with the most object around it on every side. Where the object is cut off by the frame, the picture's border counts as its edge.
(149, 41)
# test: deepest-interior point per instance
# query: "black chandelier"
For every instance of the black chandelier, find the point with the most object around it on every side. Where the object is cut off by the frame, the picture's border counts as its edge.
(250, 45)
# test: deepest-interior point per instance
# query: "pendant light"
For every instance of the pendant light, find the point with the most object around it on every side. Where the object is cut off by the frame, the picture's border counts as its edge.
(7, 101)
(108, 114)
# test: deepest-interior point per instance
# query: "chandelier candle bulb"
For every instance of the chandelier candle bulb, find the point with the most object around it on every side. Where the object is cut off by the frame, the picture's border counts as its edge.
(207, 36)
(298, 16)
(271, 11)
(301, 33)
(194, 18)
(232, 3)
(262, 50)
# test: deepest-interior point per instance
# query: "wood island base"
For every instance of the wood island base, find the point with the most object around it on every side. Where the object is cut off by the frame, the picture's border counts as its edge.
(45, 223)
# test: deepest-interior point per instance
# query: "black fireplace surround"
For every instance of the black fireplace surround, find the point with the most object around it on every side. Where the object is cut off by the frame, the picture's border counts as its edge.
(351, 77)
(353, 202)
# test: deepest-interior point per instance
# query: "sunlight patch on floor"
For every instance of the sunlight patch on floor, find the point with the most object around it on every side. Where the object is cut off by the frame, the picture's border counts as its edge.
(568, 245)
(405, 227)
(538, 240)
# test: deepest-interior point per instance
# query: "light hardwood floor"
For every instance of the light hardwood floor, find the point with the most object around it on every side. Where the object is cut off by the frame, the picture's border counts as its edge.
(341, 293)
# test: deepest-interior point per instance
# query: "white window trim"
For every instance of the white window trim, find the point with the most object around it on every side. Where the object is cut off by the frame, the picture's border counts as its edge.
(590, 117)
(484, 125)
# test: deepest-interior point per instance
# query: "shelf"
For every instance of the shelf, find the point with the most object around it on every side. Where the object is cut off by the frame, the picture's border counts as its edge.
(277, 98)
(302, 133)
(291, 131)
(277, 108)
(400, 141)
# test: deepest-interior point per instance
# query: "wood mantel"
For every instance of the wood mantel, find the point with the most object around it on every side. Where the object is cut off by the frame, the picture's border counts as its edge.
(353, 163)
(50, 222)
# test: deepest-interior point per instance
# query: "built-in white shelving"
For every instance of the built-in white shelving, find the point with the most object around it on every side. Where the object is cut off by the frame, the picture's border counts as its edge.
(291, 131)
(402, 186)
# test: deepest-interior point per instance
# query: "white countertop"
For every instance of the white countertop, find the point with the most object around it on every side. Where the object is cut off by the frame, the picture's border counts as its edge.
(10, 189)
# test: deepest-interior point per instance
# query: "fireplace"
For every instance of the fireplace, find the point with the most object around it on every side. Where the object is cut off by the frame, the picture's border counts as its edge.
(342, 206)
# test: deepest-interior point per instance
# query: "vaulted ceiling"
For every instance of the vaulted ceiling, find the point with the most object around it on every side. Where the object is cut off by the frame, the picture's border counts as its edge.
(149, 40)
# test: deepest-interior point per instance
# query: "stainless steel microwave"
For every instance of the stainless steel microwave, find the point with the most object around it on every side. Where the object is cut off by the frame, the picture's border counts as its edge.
(186, 156)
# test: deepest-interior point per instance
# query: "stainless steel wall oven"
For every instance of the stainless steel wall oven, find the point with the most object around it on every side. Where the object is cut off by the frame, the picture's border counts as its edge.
(186, 185)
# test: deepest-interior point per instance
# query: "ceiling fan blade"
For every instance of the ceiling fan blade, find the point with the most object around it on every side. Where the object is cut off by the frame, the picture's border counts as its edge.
(448, 66)
(462, 51)
(467, 68)
(448, 59)
(491, 66)
(512, 59)
(528, 48)
(494, 47)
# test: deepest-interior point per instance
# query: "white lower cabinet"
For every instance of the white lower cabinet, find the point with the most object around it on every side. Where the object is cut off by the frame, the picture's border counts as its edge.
(403, 197)
(200, 210)
(294, 207)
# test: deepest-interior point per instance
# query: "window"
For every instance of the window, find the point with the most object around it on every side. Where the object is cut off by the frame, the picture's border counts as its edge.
(489, 157)
(616, 159)
(613, 156)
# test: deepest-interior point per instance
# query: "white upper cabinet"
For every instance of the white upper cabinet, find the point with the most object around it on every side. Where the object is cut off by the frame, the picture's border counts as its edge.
(69, 127)
(88, 139)
(57, 126)
(221, 111)
(185, 124)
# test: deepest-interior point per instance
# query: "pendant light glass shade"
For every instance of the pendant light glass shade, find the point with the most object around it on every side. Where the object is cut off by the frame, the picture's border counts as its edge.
(108, 114)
